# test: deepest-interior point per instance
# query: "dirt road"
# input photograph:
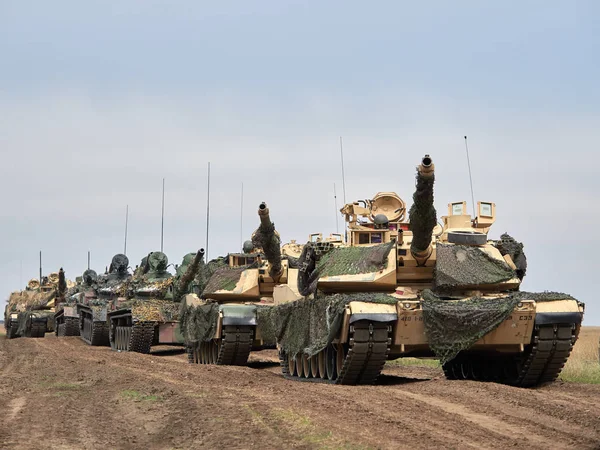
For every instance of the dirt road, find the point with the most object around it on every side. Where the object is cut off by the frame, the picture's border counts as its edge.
(61, 393)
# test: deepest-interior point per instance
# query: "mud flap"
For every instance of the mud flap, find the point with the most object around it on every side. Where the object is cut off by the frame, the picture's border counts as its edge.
(374, 317)
(547, 318)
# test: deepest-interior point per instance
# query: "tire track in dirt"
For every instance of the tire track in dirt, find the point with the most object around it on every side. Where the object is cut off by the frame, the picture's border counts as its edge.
(74, 393)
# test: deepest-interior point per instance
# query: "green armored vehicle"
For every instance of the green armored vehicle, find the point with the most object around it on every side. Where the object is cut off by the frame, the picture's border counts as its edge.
(219, 320)
(66, 317)
(150, 314)
(414, 288)
(93, 305)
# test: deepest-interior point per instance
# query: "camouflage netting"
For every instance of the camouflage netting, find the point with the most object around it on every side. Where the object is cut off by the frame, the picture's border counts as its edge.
(198, 323)
(30, 300)
(24, 319)
(154, 310)
(309, 325)
(205, 272)
(455, 325)
(423, 216)
(266, 237)
(464, 266)
(509, 246)
(225, 278)
(333, 261)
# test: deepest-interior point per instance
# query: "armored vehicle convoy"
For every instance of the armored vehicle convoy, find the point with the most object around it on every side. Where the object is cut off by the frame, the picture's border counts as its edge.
(149, 315)
(415, 288)
(219, 319)
(30, 313)
(95, 301)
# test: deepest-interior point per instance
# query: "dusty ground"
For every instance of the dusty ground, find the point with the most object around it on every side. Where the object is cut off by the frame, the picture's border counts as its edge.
(61, 393)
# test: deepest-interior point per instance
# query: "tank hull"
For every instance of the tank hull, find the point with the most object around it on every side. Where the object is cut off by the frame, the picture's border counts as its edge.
(142, 324)
(527, 348)
(229, 333)
(66, 322)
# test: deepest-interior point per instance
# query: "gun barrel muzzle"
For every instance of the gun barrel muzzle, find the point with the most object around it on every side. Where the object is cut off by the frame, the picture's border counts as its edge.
(426, 167)
(263, 213)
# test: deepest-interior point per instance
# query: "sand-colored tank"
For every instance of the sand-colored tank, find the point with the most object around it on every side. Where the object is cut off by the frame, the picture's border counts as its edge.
(417, 288)
(220, 322)
(30, 313)
(149, 314)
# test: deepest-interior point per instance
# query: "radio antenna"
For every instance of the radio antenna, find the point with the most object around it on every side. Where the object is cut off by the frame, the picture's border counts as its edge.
(40, 267)
(337, 227)
(470, 177)
(207, 211)
(343, 175)
(126, 223)
(162, 219)
(88, 260)
(242, 219)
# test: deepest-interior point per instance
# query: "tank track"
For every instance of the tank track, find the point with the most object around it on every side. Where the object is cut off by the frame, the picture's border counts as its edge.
(142, 335)
(358, 362)
(94, 332)
(37, 330)
(233, 349)
(542, 363)
(11, 331)
(133, 338)
(69, 327)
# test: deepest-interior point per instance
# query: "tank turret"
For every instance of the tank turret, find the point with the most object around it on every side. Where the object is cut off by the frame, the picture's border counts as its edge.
(422, 214)
(267, 238)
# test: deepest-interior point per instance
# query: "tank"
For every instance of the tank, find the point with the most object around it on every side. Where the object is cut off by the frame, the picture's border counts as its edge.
(149, 315)
(66, 316)
(221, 319)
(30, 313)
(98, 296)
(416, 288)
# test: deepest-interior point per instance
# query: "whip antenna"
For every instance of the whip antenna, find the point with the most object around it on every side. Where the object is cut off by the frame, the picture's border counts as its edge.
(162, 219)
(40, 267)
(126, 223)
(343, 176)
(470, 177)
(242, 218)
(88, 260)
(337, 227)
(207, 211)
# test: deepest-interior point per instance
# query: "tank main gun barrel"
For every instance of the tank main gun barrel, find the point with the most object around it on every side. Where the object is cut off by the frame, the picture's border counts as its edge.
(188, 276)
(422, 214)
(267, 238)
(62, 286)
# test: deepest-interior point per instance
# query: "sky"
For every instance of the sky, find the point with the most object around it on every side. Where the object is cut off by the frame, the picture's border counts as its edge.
(100, 100)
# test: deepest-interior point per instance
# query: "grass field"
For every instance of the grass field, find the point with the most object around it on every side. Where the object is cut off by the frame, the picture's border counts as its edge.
(583, 365)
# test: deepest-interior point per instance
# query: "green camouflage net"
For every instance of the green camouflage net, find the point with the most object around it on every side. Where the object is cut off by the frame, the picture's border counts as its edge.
(455, 325)
(25, 319)
(354, 260)
(225, 279)
(509, 246)
(205, 272)
(466, 266)
(316, 262)
(422, 214)
(266, 238)
(198, 323)
(309, 325)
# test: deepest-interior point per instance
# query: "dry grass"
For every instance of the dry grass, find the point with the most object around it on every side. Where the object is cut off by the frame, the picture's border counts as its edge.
(583, 365)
